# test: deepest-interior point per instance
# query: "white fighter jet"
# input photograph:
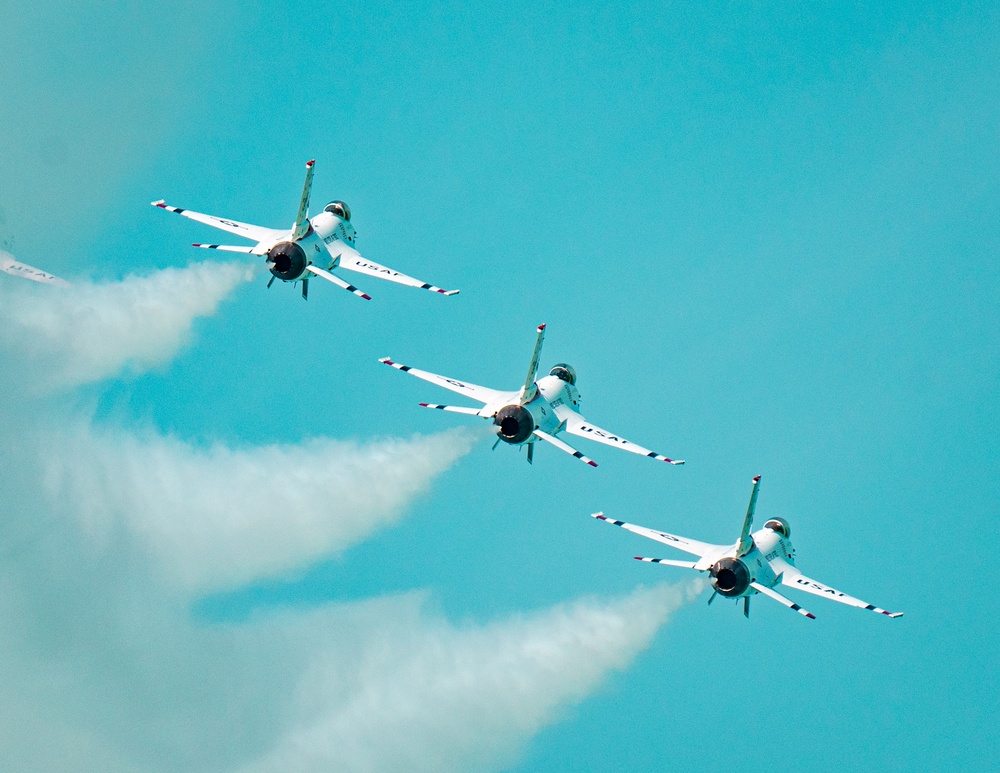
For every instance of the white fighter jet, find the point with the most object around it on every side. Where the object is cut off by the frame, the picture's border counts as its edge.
(540, 410)
(757, 563)
(313, 247)
(23, 270)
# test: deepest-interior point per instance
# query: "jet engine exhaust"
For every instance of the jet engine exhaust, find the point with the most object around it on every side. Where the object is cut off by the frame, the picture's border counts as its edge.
(730, 577)
(286, 260)
(515, 424)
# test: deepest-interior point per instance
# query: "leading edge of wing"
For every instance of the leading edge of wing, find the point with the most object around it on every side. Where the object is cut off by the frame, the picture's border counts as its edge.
(579, 426)
(247, 230)
(700, 549)
(476, 392)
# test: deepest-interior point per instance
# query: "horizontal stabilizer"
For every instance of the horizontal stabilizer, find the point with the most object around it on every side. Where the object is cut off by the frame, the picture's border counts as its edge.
(781, 599)
(564, 447)
(667, 561)
(337, 281)
(225, 248)
(452, 408)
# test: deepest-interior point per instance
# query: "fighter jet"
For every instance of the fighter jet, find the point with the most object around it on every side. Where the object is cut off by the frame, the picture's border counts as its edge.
(756, 563)
(540, 410)
(25, 271)
(312, 247)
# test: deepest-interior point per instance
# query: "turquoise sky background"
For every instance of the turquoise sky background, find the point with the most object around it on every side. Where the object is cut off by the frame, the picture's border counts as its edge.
(765, 236)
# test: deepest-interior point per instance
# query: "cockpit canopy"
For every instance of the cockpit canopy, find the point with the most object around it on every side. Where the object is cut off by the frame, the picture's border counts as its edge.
(564, 372)
(780, 526)
(339, 208)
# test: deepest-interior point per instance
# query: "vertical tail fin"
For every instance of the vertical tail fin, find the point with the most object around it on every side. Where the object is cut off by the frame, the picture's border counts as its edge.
(530, 390)
(301, 226)
(745, 542)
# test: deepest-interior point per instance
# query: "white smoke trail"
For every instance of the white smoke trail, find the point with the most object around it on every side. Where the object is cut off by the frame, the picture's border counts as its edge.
(68, 336)
(216, 517)
(424, 695)
(105, 534)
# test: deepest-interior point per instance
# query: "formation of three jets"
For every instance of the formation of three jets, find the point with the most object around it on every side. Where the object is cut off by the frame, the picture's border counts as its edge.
(540, 410)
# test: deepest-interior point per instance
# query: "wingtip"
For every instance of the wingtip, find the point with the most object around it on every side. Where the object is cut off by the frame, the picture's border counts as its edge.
(895, 614)
(451, 292)
(310, 162)
(810, 615)
(366, 296)
(599, 516)
(676, 461)
(385, 360)
(161, 203)
(591, 462)
(541, 327)
(756, 479)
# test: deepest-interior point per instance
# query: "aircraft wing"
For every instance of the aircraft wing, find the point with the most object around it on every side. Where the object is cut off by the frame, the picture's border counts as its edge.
(29, 272)
(255, 232)
(476, 392)
(351, 260)
(700, 549)
(579, 426)
(795, 579)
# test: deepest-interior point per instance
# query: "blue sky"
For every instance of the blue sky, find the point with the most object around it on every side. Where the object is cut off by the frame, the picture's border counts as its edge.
(764, 235)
